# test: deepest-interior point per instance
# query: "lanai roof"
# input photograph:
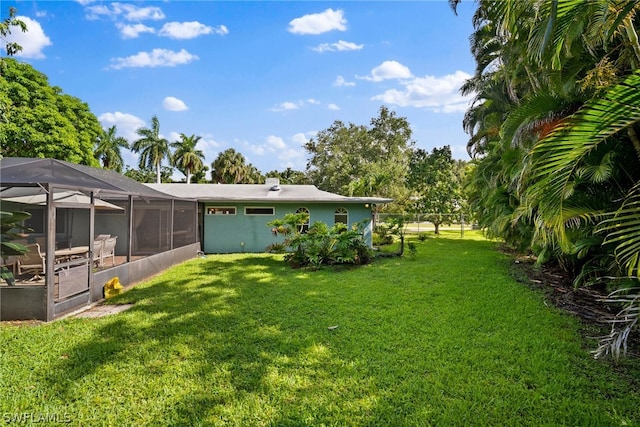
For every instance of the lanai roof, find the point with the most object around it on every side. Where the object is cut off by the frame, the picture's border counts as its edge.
(259, 193)
(19, 171)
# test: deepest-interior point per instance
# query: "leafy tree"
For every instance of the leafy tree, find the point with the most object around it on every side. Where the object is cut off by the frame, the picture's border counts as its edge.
(288, 176)
(230, 167)
(147, 175)
(152, 147)
(40, 121)
(108, 149)
(185, 157)
(375, 158)
(436, 185)
(11, 48)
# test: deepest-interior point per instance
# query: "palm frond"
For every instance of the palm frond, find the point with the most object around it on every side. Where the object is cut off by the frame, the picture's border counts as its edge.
(622, 324)
(556, 159)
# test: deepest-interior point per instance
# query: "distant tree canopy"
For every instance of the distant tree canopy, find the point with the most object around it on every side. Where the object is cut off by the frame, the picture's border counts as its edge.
(38, 120)
(357, 160)
(435, 182)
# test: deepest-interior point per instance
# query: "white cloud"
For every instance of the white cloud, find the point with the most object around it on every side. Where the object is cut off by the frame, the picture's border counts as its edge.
(318, 23)
(340, 46)
(133, 31)
(189, 30)
(155, 58)
(439, 94)
(388, 70)
(275, 146)
(287, 105)
(275, 143)
(126, 124)
(33, 41)
(127, 11)
(340, 81)
(301, 138)
(174, 104)
(333, 107)
(294, 105)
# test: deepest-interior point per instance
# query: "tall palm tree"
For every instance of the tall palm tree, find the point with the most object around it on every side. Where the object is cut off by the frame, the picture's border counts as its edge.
(185, 157)
(229, 167)
(108, 149)
(153, 149)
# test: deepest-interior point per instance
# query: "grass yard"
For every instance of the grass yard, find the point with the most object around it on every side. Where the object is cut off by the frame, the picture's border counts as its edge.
(445, 338)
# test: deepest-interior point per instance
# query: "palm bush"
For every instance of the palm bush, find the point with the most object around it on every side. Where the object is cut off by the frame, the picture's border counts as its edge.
(321, 244)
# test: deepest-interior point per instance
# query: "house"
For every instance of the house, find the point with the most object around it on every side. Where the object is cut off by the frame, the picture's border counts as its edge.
(235, 217)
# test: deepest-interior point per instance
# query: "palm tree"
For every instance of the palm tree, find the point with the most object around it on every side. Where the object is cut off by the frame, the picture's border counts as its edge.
(185, 157)
(108, 150)
(152, 147)
(229, 168)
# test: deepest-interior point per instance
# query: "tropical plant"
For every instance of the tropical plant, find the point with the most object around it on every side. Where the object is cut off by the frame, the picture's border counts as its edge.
(186, 157)
(108, 149)
(10, 228)
(229, 168)
(320, 244)
(152, 147)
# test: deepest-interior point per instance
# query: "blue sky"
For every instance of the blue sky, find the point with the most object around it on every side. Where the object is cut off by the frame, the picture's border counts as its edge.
(260, 77)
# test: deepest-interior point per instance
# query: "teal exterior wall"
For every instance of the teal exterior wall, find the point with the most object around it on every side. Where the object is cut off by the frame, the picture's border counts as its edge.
(228, 233)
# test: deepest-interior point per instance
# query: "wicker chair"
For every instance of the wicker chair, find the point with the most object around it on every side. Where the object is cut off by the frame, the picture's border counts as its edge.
(32, 261)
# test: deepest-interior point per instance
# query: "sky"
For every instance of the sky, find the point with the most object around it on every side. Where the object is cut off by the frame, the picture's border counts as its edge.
(262, 77)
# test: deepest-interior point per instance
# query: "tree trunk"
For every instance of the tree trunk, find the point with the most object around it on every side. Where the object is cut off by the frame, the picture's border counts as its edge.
(437, 227)
(158, 181)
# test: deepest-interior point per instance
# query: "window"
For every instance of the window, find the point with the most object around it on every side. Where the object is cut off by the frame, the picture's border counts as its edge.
(341, 215)
(221, 210)
(304, 227)
(259, 211)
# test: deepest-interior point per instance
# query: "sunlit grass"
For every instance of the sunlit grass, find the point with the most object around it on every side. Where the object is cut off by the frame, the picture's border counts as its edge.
(442, 338)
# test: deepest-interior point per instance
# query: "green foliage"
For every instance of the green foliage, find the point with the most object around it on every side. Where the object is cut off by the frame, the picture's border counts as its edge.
(40, 121)
(230, 167)
(357, 160)
(11, 48)
(153, 149)
(108, 151)
(435, 181)
(186, 157)
(146, 175)
(10, 228)
(320, 244)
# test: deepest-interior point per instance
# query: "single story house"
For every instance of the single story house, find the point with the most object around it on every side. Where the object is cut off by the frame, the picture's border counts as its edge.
(235, 217)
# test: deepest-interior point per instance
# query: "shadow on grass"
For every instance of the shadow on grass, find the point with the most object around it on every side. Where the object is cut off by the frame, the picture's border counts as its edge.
(244, 340)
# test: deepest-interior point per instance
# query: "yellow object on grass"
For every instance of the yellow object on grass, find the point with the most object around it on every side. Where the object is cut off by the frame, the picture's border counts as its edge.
(112, 288)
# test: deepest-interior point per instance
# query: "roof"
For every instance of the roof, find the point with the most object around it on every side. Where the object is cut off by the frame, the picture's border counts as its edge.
(259, 193)
(19, 171)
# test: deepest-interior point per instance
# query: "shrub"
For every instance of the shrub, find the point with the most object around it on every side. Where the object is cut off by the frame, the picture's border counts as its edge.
(321, 244)
(423, 236)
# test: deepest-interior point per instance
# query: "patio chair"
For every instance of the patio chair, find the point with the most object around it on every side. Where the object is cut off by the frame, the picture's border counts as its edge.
(109, 249)
(33, 260)
(97, 252)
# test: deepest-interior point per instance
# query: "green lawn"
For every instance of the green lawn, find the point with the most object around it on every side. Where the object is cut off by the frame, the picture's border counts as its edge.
(445, 338)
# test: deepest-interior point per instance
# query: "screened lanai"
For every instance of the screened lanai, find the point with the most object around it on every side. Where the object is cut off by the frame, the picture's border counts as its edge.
(85, 226)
